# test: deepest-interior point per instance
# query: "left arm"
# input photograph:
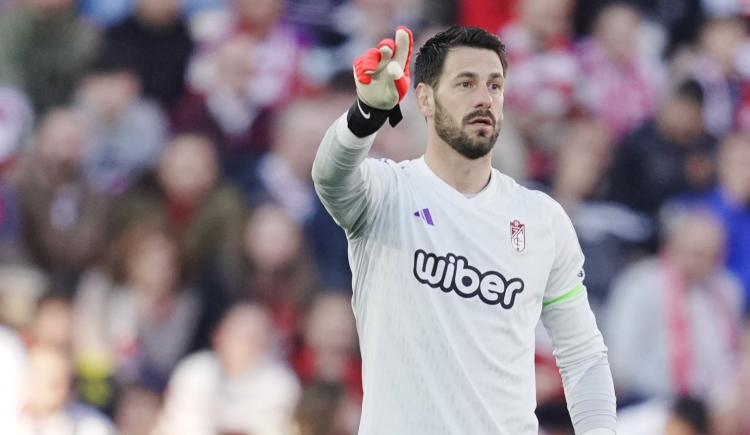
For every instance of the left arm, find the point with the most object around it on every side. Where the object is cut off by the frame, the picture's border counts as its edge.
(582, 358)
(578, 345)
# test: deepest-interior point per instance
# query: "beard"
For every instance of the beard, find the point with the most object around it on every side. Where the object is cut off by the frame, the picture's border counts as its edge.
(470, 145)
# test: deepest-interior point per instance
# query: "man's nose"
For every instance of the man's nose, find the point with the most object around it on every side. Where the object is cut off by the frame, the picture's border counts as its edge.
(482, 98)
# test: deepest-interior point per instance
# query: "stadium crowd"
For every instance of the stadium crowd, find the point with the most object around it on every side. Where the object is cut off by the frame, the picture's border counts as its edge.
(166, 267)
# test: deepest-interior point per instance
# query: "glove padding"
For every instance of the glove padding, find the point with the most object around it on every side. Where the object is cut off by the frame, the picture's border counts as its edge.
(382, 74)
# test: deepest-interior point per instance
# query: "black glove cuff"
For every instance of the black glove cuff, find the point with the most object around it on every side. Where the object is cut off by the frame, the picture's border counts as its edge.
(364, 120)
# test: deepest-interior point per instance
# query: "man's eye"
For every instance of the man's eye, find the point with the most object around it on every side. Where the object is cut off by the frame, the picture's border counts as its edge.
(495, 86)
(465, 84)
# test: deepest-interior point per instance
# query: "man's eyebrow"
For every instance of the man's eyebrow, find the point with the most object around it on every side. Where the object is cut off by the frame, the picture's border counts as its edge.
(471, 75)
(465, 74)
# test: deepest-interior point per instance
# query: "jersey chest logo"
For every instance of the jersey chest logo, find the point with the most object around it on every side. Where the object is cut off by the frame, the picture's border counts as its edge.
(453, 273)
(518, 235)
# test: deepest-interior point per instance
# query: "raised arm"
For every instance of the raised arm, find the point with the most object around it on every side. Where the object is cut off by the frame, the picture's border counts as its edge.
(348, 184)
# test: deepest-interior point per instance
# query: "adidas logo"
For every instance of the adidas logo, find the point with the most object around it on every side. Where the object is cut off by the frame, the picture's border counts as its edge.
(425, 215)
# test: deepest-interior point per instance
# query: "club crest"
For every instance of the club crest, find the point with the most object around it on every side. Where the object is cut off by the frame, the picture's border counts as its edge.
(518, 235)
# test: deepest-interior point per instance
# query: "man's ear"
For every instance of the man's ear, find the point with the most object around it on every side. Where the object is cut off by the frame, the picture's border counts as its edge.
(425, 99)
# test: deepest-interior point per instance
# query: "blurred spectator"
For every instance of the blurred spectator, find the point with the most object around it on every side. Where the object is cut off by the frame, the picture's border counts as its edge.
(616, 69)
(65, 223)
(128, 131)
(679, 19)
(226, 110)
(583, 158)
(137, 317)
(486, 14)
(137, 410)
(204, 212)
(667, 156)
(717, 66)
(238, 387)
(50, 409)
(21, 288)
(44, 50)
(684, 416)
(542, 84)
(284, 172)
(16, 118)
(731, 202)
(580, 184)
(156, 43)
(673, 323)
(275, 58)
(12, 370)
(272, 266)
(53, 323)
(282, 176)
(189, 197)
(325, 409)
(329, 346)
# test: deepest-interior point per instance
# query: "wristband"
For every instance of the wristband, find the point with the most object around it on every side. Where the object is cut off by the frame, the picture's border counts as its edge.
(364, 120)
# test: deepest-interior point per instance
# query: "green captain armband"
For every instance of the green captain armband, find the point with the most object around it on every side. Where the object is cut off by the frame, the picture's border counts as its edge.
(566, 297)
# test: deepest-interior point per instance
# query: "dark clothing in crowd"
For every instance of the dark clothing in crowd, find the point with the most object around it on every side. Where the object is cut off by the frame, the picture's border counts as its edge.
(158, 55)
(237, 151)
(45, 56)
(650, 169)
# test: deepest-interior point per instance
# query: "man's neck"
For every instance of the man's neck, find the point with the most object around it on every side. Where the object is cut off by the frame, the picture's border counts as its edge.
(467, 176)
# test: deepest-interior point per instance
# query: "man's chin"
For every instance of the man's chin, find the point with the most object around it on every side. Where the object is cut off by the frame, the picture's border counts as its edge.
(475, 151)
(482, 143)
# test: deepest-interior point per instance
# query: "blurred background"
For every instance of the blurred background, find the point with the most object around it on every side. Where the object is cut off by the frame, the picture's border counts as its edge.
(166, 268)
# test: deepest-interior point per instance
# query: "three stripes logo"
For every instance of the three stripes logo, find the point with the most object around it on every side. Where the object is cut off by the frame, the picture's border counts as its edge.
(425, 215)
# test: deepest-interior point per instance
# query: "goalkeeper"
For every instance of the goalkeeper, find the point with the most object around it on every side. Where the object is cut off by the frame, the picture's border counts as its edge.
(453, 262)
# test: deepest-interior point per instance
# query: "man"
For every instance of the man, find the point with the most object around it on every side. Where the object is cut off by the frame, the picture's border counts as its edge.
(689, 315)
(45, 49)
(730, 200)
(453, 262)
(668, 156)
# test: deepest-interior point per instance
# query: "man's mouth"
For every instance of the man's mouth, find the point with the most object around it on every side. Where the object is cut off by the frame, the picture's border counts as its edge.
(482, 120)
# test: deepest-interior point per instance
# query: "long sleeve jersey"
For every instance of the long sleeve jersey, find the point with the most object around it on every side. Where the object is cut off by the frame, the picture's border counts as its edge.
(447, 292)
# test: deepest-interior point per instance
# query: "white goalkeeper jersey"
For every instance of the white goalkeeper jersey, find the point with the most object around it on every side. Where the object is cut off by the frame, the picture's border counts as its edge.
(448, 291)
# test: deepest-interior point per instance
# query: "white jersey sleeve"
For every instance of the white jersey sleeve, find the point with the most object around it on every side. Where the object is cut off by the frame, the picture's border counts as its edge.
(578, 345)
(566, 277)
(351, 187)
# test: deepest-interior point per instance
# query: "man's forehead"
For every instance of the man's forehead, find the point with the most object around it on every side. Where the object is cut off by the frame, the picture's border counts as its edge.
(475, 60)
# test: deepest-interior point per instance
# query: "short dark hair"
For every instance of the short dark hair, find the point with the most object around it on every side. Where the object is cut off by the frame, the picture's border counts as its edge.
(691, 90)
(431, 57)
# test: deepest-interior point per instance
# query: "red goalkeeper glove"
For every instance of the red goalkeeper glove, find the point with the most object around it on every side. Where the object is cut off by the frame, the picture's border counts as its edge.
(382, 78)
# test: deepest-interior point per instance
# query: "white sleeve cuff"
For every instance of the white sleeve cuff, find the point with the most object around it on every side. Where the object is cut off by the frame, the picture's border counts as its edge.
(349, 139)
